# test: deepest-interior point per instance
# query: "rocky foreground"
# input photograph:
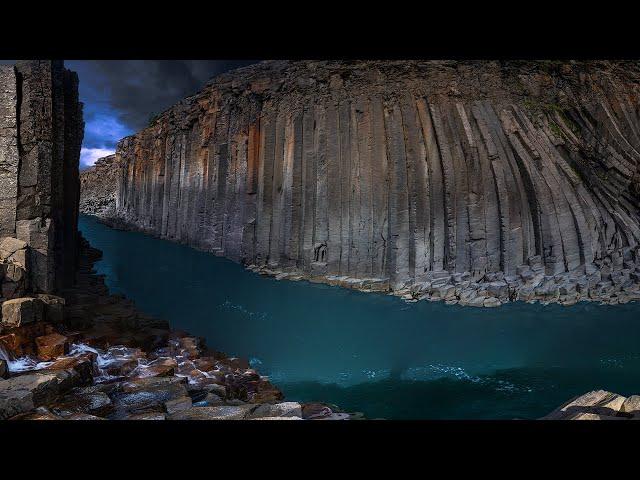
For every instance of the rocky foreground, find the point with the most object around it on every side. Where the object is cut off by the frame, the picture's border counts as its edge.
(89, 355)
(598, 405)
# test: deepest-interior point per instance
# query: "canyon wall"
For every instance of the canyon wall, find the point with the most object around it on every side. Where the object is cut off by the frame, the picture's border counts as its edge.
(475, 182)
(41, 131)
(98, 186)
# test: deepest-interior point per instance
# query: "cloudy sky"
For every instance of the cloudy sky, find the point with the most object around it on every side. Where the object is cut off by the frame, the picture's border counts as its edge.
(121, 95)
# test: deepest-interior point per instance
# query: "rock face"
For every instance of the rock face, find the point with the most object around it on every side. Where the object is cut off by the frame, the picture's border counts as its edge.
(472, 182)
(98, 186)
(598, 405)
(41, 130)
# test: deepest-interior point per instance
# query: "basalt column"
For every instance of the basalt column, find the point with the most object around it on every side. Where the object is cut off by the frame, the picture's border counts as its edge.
(41, 130)
(400, 173)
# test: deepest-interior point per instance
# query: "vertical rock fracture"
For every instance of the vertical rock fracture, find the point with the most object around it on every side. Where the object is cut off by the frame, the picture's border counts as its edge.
(41, 131)
(472, 182)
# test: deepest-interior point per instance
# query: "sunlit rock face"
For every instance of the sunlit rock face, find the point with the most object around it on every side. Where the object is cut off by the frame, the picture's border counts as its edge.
(407, 173)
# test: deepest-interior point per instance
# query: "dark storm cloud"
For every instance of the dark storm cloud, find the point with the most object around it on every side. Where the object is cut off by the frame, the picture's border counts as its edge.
(120, 96)
(139, 89)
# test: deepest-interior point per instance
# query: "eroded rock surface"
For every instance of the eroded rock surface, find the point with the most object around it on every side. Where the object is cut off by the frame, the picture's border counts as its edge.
(471, 182)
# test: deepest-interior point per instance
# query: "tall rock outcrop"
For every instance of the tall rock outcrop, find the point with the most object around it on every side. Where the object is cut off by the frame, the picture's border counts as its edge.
(41, 130)
(475, 182)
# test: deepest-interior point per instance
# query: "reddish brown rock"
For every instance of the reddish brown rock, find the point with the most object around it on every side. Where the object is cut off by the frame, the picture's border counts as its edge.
(205, 364)
(82, 366)
(162, 367)
(20, 341)
(52, 346)
(235, 363)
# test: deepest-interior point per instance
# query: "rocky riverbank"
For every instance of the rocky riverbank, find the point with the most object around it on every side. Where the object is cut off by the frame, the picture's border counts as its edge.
(89, 355)
(613, 282)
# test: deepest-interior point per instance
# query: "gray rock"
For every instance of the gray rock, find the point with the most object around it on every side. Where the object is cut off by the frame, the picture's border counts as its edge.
(239, 412)
(21, 311)
(631, 405)
(379, 180)
(284, 409)
(25, 392)
(177, 405)
(598, 402)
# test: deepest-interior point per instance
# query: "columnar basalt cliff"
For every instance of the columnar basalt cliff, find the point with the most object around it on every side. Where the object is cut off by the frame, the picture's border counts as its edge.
(98, 185)
(83, 354)
(41, 131)
(473, 182)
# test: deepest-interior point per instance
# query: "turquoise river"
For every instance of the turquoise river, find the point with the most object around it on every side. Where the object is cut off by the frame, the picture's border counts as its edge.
(374, 353)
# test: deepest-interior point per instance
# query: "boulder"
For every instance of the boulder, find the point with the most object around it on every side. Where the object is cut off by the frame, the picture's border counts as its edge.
(40, 413)
(25, 392)
(315, 410)
(20, 341)
(161, 367)
(53, 307)
(82, 416)
(4, 368)
(52, 346)
(9, 246)
(14, 273)
(631, 405)
(284, 409)
(82, 367)
(81, 401)
(491, 302)
(21, 311)
(227, 412)
(192, 346)
(592, 416)
(177, 405)
(598, 402)
(147, 395)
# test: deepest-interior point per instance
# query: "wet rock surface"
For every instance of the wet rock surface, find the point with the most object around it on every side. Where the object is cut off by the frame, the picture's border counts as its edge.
(106, 360)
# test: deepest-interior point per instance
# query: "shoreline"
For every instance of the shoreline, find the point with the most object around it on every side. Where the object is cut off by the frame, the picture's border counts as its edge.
(618, 286)
(108, 360)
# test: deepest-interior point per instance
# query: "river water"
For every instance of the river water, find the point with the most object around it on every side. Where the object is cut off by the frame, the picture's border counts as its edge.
(374, 353)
